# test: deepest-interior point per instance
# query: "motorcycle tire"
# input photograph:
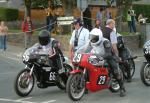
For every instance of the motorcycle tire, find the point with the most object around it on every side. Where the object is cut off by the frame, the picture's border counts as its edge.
(145, 74)
(130, 62)
(132, 69)
(76, 86)
(114, 86)
(62, 80)
(20, 86)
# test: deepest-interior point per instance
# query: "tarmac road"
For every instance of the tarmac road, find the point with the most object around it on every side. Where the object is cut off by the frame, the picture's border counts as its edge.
(11, 64)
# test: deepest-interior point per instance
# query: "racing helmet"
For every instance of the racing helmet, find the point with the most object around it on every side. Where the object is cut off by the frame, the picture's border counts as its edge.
(44, 37)
(95, 36)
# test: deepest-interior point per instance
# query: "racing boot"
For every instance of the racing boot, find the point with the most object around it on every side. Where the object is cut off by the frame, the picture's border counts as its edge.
(121, 84)
(122, 88)
(122, 92)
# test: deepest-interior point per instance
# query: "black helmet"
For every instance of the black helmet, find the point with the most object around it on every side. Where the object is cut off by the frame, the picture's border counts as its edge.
(44, 37)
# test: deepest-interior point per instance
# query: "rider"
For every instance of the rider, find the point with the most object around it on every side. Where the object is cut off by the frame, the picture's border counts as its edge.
(49, 46)
(103, 48)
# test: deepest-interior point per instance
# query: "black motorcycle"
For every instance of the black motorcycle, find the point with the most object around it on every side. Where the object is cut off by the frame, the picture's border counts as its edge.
(127, 64)
(39, 70)
(145, 69)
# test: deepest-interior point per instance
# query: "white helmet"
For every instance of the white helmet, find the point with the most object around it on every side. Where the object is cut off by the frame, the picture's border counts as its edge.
(95, 36)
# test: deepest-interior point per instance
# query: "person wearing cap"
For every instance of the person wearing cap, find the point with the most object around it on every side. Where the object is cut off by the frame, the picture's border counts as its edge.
(110, 34)
(80, 36)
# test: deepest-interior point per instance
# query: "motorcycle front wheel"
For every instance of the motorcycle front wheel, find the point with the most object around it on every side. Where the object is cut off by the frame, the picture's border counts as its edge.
(62, 80)
(24, 83)
(145, 74)
(76, 86)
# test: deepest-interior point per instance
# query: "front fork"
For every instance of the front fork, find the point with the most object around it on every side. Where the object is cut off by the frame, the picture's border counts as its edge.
(30, 74)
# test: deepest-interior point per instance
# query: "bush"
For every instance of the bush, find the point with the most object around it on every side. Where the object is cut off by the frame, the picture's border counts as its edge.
(144, 9)
(8, 14)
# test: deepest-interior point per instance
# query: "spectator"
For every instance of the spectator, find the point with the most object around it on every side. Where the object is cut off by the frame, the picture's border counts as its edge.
(87, 19)
(132, 14)
(3, 34)
(129, 20)
(98, 24)
(79, 36)
(108, 14)
(99, 14)
(141, 19)
(49, 18)
(27, 28)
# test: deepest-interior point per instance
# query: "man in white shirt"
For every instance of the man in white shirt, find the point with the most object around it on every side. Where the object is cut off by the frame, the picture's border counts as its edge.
(80, 36)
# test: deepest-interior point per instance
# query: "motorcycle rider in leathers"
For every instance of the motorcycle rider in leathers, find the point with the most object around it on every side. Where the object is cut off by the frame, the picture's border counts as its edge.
(102, 48)
(49, 45)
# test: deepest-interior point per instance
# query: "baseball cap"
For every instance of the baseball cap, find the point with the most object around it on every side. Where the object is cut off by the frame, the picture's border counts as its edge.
(77, 20)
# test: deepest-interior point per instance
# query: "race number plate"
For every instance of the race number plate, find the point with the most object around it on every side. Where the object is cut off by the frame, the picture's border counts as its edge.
(77, 57)
(52, 76)
(101, 80)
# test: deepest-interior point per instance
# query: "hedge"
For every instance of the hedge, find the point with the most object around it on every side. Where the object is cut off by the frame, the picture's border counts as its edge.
(8, 14)
(144, 9)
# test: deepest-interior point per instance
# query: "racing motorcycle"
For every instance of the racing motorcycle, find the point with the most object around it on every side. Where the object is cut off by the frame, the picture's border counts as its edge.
(90, 73)
(127, 65)
(39, 70)
(145, 69)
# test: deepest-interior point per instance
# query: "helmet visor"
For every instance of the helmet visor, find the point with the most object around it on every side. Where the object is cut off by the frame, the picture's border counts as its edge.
(44, 40)
(94, 38)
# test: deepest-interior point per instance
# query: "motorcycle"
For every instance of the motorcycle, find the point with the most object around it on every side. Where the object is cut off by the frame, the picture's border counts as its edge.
(127, 65)
(90, 73)
(39, 70)
(145, 69)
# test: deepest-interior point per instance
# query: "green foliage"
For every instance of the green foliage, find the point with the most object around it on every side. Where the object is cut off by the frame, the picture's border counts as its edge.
(144, 9)
(8, 14)
(39, 4)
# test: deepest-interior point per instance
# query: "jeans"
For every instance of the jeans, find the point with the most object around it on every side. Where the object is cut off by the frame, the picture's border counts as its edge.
(28, 39)
(132, 26)
(3, 42)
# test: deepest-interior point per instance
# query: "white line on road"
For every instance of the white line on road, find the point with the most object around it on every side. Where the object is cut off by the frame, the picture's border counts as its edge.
(23, 99)
(7, 73)
(15, 101)
(49, 101)
(13, 58)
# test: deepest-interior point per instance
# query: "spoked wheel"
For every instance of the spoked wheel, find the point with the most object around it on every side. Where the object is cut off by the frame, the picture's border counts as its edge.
(131, 67)
(145, 74)
(24, 83)
(61, 84)
(76, 86)
(128, 66)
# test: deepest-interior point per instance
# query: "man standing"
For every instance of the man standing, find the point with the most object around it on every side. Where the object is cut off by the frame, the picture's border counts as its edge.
(110, 34)
(27, 27)
(132, 15)
(80, 36)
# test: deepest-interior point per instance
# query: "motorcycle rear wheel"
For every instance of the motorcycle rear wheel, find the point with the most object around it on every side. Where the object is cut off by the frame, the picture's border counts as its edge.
(145, 74)
(21, 87)
(76, 86)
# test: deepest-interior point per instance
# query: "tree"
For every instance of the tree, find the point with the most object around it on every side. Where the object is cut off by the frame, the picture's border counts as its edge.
(27, 8)
(122, 6)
